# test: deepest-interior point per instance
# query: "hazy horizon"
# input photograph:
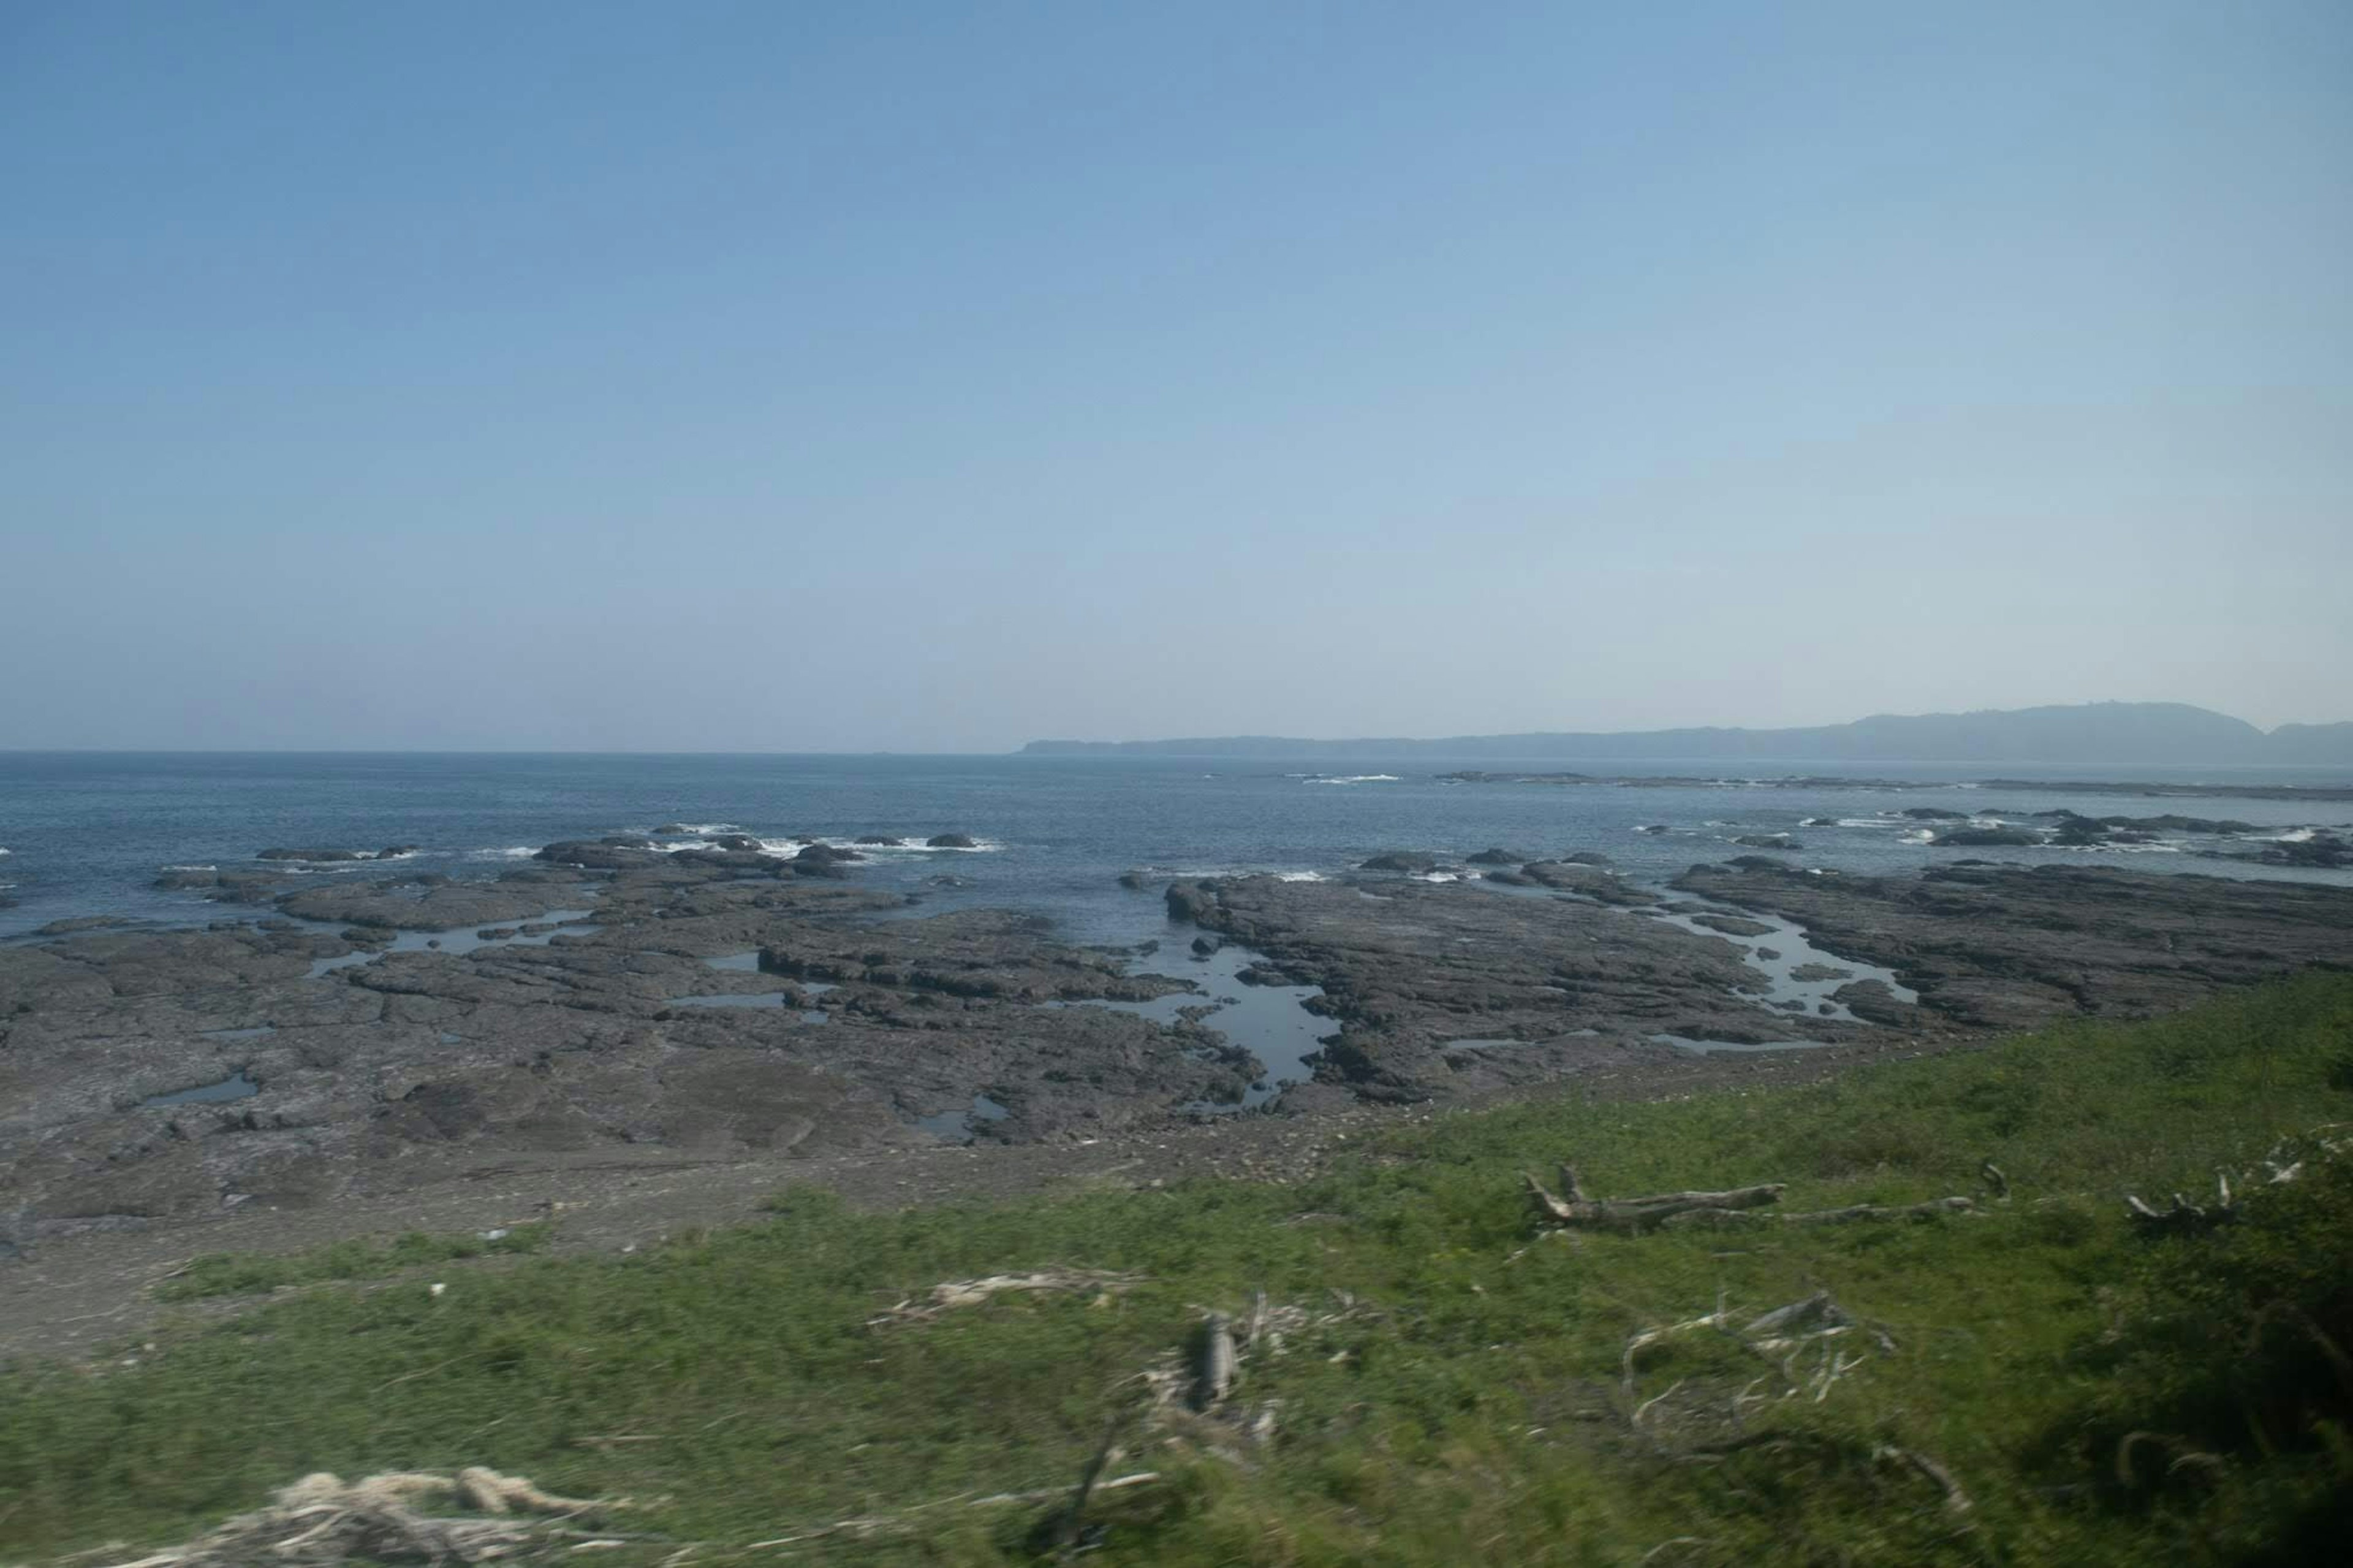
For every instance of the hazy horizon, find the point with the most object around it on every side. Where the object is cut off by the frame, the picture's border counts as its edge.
(729, 378)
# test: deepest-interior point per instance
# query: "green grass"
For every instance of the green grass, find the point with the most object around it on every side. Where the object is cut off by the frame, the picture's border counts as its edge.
(1471, 1413)
(246, 1273)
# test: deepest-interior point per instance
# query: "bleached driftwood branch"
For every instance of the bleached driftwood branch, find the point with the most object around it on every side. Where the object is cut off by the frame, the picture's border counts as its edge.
(1574, 1209)
(1577, 1211)
(322, 1520)
(954, 1293)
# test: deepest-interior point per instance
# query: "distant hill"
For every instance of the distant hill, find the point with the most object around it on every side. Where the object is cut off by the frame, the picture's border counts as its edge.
(2095, 734)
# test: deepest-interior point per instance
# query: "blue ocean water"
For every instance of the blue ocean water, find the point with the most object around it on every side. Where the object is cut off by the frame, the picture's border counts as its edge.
(86, 833)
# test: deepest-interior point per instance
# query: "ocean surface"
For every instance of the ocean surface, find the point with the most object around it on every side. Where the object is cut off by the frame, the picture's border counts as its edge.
(86, 833)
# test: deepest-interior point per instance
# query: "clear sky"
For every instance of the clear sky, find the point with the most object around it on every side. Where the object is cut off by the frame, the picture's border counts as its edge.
(772, 376)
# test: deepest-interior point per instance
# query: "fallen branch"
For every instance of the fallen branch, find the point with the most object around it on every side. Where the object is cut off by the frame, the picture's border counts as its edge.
(1803, 1341)
(954, 1293)
(1576, 1211)
(2285, 1163)
(322, 1520)
(1933, 1208)
(871, 1525)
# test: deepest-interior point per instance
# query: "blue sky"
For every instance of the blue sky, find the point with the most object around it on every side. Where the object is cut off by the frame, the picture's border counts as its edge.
(766, 376)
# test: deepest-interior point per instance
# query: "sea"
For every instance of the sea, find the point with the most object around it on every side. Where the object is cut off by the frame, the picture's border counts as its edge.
(85, 834)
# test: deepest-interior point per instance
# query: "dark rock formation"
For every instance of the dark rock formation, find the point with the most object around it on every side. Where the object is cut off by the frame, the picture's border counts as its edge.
(1409, 862)
(1576, 876)
(951, 841)
(1990, 946)
(83, 923)
(1986, 837)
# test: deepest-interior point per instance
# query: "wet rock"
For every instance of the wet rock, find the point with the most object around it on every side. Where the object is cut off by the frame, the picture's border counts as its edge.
(1871, 1001)
(951, 841)
(1732, 925)
(1986, 837)
(422, 904)
(1585, 880)
(2013, 947)
(879, 841)
(1409, 862)
(595, 856)
(1192, 902)
(1430, 963)
(1768, 841)
(1135, 881)
(83, 923)
(1499, 858)
(823, 860)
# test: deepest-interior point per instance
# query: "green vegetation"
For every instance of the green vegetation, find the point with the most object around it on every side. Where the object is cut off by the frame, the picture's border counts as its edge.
(1472, 1409)
(245, 1273)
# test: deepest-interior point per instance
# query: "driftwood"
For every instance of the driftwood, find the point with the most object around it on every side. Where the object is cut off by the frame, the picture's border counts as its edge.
(1577, 1211)
(923, 1515)
(1805, 1342)
(2283, 1164)
(2185, 1218)
(954, 1293)
(1215, 1363)
(322, 1520)
(1574, 1209)
(1933, 1208)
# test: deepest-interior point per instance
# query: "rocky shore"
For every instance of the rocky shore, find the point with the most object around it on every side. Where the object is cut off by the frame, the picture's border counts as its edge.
(609, 1008)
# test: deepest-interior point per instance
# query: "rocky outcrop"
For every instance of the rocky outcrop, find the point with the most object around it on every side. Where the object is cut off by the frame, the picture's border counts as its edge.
(2006, 947)
(1986, 837)
(951, 841)
(1570, 984)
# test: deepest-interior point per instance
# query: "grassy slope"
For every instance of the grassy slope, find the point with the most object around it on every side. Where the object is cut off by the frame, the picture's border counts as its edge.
(1477, 1415)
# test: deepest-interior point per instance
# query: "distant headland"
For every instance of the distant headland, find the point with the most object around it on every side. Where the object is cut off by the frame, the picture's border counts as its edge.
(2079, 734)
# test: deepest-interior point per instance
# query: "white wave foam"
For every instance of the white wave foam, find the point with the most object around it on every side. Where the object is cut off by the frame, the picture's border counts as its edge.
(1870, 822)
(514, 852)
(1917, 835)
(701, 829)
(187, 868)
(1349, 779)
(1440, 876)
(1299, 876)
(2292, 836)
(4, 851)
